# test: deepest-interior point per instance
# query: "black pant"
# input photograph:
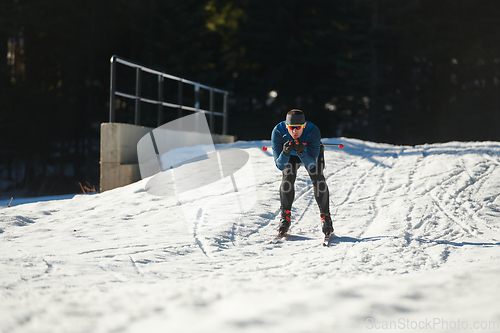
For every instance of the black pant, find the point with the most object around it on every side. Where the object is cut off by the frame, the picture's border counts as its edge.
(287, 188)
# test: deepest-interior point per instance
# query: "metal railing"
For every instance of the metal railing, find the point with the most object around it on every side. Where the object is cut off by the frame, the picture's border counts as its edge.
(160, 101)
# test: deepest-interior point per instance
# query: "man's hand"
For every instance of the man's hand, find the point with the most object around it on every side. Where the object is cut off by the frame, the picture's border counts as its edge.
(299, 148)
(287, 148)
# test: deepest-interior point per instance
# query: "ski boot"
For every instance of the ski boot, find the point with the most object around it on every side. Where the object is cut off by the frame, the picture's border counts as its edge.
(326, 221)
(285, 222)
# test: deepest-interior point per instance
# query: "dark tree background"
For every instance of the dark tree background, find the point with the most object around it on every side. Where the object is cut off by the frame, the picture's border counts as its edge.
(403, 72)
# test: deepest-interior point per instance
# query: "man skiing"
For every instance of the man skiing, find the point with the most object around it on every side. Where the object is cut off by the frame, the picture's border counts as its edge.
(297, 142)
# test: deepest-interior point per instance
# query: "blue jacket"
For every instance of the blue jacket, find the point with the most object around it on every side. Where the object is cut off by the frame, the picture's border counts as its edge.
(311, 136)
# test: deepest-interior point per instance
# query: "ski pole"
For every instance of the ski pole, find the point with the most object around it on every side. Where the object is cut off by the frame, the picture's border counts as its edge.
(341, 146)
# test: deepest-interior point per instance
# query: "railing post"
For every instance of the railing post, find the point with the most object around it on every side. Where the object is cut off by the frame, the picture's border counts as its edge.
(197, 103)
(212, 124)
(197, 96)
(179, 112)
(138, 96)
(160, 99)
(112, 90)
(224, 126)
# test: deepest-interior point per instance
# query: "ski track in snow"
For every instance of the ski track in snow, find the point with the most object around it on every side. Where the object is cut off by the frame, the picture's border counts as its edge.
(418, 238)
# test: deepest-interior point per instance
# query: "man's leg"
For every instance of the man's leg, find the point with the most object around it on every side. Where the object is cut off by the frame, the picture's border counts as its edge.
(287, 192)
(321, 192)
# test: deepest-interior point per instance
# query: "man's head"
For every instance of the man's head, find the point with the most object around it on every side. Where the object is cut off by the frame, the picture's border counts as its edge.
(295, 123)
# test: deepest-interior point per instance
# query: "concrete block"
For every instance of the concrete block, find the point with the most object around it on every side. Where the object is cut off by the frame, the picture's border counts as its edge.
(115, 175)
(119, 162)
(119, 142)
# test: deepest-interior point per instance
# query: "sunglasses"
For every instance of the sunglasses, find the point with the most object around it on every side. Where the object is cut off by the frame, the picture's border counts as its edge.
(295, 127)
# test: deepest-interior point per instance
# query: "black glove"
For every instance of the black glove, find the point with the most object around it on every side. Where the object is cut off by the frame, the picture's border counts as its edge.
(287, 148)
(299, 148)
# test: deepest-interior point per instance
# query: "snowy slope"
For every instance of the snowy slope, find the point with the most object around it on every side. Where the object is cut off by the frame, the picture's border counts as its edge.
(418, 250)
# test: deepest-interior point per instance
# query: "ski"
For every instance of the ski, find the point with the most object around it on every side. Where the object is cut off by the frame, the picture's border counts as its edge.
(326, 240)
(278, 238)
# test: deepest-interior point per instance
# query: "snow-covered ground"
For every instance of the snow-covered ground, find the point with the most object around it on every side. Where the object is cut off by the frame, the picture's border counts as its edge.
(418, 250)
(21, 201)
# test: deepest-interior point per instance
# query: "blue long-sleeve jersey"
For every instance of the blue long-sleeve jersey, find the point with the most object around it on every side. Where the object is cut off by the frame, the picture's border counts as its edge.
(311, 136)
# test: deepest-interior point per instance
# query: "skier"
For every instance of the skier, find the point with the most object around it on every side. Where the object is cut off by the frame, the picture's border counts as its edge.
(296, 142)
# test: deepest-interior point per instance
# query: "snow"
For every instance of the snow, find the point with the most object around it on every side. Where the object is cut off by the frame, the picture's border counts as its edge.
(417, 250)
(177, 156)
(14, 201)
